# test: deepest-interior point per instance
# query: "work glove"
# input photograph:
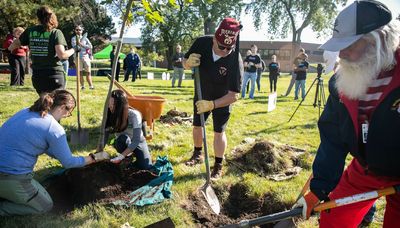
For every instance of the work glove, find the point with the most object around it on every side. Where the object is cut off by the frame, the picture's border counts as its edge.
(100, 156)
(193, 60)
(204, 106)
(117, 159)
(308, 202)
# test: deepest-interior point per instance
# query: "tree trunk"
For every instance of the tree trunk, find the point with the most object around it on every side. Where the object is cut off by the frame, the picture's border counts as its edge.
(169, 52)
(209, 27)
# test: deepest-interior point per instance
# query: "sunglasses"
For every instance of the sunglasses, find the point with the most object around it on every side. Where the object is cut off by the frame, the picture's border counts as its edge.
(220, 47)
(78, 29)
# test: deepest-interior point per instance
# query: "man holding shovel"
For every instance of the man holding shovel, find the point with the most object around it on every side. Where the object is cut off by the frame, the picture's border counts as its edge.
(221, 71)
(361, 116)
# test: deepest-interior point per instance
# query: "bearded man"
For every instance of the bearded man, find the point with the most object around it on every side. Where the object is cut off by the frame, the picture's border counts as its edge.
(361, 117)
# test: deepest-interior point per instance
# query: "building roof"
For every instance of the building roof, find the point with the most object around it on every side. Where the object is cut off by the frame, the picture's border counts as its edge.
(129, 40)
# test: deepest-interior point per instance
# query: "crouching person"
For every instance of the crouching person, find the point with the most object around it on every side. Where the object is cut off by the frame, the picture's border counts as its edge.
(126, 123)
(26, 135)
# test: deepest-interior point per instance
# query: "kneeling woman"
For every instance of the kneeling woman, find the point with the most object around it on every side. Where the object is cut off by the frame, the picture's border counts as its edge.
(126, 123)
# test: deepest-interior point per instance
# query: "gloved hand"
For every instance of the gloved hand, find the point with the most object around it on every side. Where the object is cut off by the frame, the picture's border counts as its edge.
(100, 156)
(118, 159)
(193, 60)
(204, 106)
(77, 48)
(308, 202)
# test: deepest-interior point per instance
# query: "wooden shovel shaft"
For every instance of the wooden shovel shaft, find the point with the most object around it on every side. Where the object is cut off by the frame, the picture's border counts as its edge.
(78, 98)
(357, 198)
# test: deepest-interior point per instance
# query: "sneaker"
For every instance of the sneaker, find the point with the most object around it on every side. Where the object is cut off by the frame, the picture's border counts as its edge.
(196, 158)
(91, 87)
(83, 87)
(217, 171)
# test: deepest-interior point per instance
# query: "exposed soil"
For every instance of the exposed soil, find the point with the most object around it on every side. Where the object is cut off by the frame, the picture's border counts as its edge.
(174, 117)
(277, 162)
(102, 182)
(236, 205)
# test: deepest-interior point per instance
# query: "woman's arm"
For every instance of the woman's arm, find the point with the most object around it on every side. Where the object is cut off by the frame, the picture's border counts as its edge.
(62, 53)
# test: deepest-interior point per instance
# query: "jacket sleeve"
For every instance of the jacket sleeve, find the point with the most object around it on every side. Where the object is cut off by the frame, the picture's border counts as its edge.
(331, 155)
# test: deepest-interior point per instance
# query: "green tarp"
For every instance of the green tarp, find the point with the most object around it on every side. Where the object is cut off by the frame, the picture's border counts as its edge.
(105, 53)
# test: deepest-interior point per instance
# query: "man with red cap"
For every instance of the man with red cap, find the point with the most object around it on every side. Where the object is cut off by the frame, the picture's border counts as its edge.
(360, 117)
(221, 72)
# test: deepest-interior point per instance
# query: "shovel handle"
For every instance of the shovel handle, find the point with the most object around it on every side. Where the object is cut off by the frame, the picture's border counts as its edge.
(78, 97)
(202, 122)
(357, 198)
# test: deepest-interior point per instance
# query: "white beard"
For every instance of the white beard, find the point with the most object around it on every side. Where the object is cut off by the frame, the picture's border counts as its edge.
(354, 78)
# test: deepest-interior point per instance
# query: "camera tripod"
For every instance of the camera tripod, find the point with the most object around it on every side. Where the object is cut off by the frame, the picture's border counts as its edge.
(319, 98)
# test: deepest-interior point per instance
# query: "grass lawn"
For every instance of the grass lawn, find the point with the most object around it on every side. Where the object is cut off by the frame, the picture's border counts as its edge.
(249, 119)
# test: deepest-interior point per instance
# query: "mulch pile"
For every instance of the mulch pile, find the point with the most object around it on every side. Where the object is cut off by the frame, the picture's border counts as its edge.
(276, 162)
(102, 182)
(174, 117)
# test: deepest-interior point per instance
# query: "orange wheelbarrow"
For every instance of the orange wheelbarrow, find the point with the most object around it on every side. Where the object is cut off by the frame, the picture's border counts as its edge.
(151, 107)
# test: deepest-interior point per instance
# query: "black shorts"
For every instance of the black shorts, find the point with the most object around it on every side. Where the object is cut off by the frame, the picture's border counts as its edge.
(48, 80)
(220, 118)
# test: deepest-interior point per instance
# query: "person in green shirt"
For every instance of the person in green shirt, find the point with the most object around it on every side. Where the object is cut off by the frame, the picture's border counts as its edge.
(47, 46)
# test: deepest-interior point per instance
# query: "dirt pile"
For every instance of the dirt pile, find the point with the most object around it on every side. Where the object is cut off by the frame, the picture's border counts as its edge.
(236, 205)
(174, 117)
(278, 162)
(101, 182)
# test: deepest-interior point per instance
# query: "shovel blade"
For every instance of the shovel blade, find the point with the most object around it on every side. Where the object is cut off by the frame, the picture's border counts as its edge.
(211, 198)
(80, 137)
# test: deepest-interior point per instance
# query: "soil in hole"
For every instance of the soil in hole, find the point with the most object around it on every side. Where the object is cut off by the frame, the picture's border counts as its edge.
(102, 182)
(236, 205)
(268, 159)
(174, 117)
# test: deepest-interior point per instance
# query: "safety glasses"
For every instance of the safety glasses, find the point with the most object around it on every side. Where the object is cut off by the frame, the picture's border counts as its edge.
(221, 47)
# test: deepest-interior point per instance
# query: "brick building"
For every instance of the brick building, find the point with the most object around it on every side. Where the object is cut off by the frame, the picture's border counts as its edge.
(282, 49)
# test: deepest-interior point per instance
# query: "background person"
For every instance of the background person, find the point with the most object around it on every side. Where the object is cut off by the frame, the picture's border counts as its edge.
(296, 62)
(301, 76)
(126, 123)
(131, 65)
(221, 70)
(17, 59)
(178, 67)
(274, 68)
(47, 46)
(118, 69)
(260, 70)
(84, 46)
(251, 63)
(361, 117)
(26, 135)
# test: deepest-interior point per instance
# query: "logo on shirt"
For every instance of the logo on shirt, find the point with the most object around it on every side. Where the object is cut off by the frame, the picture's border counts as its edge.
(222, 71)
(396, 106)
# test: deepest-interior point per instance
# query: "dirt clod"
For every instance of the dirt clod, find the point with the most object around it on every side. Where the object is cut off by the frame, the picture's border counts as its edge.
(174, 117)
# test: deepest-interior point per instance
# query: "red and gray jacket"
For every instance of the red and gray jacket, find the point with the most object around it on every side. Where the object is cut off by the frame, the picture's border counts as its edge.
(338, 126)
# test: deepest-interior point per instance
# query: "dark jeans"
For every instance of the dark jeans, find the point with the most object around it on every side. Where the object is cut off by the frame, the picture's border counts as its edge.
(17, 64)
(141, 152)
(273, 79)
(118, 70)
(128, 72)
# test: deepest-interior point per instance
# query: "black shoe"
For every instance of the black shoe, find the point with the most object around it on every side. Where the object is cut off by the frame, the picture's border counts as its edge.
(217, 171)
(197, 158)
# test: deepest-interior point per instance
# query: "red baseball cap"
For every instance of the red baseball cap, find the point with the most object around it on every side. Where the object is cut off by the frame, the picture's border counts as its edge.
(227, 32)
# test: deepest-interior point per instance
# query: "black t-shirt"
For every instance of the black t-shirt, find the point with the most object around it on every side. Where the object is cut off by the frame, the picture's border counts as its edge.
(219, 77)
(301, 72)
(175, 59)
(255, 59)
(42, 47)
(273, 68)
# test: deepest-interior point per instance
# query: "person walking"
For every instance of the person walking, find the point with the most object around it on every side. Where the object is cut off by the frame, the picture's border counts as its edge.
(221, 70)
(361, 117)
(84, 46)
(47, 46)
(178, 67)
(118, 69)
(26, 135)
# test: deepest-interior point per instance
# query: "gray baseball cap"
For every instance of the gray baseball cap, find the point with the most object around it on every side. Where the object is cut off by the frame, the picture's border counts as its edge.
(356, 20)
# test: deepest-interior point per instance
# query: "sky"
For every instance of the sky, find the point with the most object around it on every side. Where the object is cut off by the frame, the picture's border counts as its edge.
(250, 33)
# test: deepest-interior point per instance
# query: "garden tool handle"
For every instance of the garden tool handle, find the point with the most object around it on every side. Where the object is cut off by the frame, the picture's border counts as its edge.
(305, 188)
(357, 198)
(202, 122)
(78, 97)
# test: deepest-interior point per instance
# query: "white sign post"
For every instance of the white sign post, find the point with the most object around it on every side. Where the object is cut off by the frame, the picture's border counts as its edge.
(150, 75)
(272, 102)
